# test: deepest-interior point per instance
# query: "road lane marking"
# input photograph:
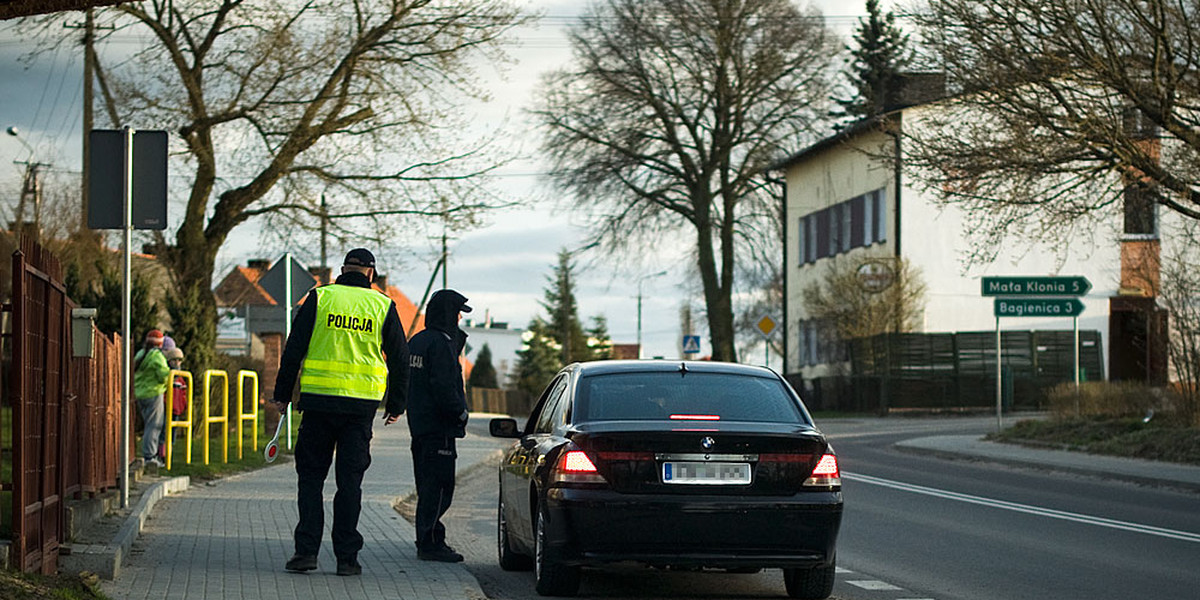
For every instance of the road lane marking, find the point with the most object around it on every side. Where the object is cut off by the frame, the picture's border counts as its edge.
(1028, 509)
(875, 586)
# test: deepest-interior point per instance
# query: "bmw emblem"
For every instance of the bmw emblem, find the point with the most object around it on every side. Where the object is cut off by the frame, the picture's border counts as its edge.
(707, 443)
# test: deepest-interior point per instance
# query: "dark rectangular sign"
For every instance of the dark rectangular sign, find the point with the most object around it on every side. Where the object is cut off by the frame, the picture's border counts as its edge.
(1036, 286)
(106, 199)
(1037, 307)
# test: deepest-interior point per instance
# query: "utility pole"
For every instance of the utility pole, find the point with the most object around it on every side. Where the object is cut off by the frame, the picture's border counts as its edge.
(89, 55)
(31, 188)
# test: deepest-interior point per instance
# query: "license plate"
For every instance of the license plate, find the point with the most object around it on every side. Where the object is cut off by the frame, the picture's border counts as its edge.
(706, 473)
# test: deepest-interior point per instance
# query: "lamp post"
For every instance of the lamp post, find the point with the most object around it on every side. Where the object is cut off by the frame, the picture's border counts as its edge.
(642, 280)
(31, 187)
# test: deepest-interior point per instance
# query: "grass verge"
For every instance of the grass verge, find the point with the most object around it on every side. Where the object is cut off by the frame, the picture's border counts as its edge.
(1129, 437)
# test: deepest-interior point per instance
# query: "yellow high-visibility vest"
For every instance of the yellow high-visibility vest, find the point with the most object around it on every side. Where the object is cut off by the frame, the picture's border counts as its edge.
(345, 355)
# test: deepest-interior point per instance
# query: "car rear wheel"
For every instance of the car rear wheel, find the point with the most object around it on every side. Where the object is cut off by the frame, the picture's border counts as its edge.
(553, 578)
(811, 584)
(509, 559)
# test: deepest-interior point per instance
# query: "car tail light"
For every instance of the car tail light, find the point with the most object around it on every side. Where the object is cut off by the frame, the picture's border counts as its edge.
(826, 473)
(574, 466)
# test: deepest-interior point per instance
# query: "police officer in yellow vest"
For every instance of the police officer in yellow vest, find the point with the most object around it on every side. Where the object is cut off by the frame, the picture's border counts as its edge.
(349, 349)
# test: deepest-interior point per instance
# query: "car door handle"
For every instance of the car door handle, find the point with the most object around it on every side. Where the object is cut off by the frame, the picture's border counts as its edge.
(528, 443)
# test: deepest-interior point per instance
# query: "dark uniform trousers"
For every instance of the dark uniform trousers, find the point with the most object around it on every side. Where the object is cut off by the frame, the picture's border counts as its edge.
(321, 433)
(433, 468)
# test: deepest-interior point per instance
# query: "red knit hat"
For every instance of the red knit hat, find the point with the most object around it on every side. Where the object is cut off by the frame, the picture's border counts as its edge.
(155, 337)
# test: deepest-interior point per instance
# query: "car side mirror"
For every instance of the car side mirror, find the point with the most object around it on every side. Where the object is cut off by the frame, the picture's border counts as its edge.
(504, 428)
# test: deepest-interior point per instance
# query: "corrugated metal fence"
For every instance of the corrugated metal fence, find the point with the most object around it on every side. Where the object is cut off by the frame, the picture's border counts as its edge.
(61, 412)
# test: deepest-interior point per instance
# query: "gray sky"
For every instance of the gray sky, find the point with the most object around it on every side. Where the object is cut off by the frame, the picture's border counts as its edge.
(502, 266)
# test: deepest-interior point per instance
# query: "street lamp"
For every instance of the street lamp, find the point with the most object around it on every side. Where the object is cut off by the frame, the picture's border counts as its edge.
(30, 188)
(642, 279)
(13, 131)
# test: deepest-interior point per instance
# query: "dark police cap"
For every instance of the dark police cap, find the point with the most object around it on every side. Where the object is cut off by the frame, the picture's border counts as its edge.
(360, 257)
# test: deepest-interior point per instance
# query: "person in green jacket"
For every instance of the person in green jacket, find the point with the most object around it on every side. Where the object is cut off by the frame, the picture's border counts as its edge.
(150, 373)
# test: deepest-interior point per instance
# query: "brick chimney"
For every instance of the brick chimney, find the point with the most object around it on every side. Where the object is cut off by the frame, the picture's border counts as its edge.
(258, 264)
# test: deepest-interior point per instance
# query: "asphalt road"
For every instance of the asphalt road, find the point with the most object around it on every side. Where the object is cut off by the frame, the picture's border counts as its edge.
(953, 530)
(922, 527)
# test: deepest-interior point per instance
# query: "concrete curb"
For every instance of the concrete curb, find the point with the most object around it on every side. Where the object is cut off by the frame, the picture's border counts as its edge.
(1142, 472)
(105, 560)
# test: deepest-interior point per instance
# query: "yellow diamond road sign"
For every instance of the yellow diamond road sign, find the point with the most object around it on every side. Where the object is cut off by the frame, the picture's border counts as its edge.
(766, 325)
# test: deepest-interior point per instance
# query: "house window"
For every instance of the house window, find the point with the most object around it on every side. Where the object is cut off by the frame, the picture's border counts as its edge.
(869, 219)
(835, 230)
(879, 200)
(812, 238)
(844, 234)
(802, 246)
(857, 213)
(823, 234)
(1140, 208)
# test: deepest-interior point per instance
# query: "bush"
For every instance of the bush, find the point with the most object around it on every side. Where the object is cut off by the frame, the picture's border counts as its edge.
(1111, 399)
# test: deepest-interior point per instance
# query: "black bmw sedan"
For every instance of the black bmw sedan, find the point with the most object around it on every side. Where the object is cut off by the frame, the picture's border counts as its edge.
(669, 464)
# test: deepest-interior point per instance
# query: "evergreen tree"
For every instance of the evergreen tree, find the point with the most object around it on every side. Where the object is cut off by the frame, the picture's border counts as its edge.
(106, 300)
(565, 328)
(880, 56)
(483, 374)
(538, 361)
(599, 340)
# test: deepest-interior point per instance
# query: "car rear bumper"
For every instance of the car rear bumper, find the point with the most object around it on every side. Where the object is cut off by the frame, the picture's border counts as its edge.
(588, 526)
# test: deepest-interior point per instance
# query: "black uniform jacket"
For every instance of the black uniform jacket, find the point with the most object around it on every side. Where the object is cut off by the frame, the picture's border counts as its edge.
(436, 400)
(395, 351)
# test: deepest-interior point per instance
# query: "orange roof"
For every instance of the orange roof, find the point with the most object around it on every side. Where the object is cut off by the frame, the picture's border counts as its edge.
(406, 309)
(241, 287)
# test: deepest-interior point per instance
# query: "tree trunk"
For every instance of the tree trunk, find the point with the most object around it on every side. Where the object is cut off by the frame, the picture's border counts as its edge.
(717, 301)
(193, 307)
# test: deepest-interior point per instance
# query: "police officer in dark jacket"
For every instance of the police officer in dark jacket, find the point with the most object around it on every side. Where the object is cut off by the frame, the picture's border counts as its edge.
(348, 349)
(437, 415)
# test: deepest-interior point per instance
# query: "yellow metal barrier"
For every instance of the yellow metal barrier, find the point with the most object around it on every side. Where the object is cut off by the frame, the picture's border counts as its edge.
(252, 415)
(223, 419)
(186, 423)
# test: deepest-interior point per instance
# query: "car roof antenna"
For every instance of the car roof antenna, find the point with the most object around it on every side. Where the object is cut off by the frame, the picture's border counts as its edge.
(683, 369)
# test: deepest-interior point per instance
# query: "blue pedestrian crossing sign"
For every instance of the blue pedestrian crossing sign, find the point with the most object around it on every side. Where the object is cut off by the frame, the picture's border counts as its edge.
(691, 344)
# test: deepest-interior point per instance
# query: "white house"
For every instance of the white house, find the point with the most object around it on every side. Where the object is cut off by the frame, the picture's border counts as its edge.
(846, 200)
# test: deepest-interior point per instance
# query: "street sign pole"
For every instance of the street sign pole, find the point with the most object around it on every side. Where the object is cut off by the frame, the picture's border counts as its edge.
(999, 380)
(126, 319)
(287, 326)
(1075, 323)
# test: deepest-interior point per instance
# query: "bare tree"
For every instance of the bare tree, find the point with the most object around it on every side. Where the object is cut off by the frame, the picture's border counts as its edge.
(864, 295)
(276, 102)
(668, 116)
(1062, 109)
(1179, 293)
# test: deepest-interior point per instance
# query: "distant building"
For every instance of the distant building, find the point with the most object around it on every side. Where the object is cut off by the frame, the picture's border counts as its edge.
(502, 341)
(851, 200)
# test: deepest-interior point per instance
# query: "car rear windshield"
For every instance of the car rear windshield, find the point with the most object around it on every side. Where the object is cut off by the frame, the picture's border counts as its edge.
(690, 397)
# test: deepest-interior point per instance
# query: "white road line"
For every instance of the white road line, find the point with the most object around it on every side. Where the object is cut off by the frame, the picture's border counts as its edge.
(1025, 508)
(875, 585)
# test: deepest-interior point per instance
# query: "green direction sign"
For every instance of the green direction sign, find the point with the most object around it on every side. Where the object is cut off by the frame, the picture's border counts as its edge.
(1076, 285)
(1037, 307)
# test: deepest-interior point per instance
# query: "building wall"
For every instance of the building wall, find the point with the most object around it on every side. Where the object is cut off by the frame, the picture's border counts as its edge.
(936, 240)
(840, 173)
(504, 344)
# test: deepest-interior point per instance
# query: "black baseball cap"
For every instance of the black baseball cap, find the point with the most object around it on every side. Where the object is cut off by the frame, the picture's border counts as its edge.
(360, 257)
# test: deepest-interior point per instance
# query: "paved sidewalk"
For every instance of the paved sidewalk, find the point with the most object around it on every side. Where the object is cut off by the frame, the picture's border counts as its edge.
(1111, 467)
(229, 540)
